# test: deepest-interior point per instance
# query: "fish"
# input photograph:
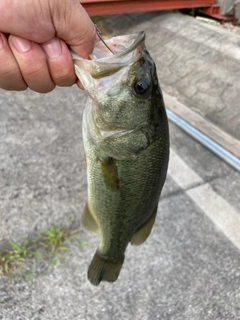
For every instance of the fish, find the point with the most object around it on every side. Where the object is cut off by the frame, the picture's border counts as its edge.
(126, 144)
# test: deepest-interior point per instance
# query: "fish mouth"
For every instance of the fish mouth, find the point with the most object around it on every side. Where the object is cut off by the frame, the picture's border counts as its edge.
(120, 46)
(103, 63)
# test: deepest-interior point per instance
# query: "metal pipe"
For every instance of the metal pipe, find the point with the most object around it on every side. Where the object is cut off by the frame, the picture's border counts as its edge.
(204, 140)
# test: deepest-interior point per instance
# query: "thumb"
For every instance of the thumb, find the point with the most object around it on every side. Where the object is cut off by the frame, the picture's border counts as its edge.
(74, 26)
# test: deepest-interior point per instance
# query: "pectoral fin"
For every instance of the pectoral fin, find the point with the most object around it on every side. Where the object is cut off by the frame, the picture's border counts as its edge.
(142, 234)
(88, 221)
(110, 174)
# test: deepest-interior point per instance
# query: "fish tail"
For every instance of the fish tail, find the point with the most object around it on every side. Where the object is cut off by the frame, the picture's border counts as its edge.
(102, 269)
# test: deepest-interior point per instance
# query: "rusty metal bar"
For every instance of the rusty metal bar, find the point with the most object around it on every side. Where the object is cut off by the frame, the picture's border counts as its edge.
(103, 7)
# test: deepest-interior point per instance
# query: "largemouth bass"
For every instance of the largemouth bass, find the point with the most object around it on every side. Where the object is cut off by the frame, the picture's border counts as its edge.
(126, 143)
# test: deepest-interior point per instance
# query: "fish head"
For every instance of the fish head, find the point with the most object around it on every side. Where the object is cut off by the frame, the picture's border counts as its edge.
(123, 84)
(123, 90)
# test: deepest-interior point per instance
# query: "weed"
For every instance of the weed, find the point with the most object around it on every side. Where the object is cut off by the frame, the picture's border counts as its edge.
(48, 244)
(81, 244)
(9, 259)
(55, 237)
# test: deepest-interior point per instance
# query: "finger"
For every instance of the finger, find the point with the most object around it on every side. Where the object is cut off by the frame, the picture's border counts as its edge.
(10, 75)
(74, 26)
(32, 62)
(60, 62)
(29, 19)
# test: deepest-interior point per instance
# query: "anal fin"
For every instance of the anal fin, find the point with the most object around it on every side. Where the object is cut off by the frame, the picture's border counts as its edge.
(142, 234)
(88, 221)
(101, 269)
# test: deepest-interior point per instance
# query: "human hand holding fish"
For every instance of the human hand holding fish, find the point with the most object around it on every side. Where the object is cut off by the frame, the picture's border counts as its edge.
(34, 40)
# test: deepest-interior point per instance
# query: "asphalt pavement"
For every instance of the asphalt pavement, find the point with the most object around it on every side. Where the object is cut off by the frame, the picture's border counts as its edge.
(189, 268)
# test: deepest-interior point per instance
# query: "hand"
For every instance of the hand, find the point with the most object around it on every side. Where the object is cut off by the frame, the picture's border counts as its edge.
(34, 35)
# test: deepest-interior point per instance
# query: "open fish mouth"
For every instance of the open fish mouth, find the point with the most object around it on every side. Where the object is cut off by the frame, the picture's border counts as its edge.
(120, 46)
(103, 63)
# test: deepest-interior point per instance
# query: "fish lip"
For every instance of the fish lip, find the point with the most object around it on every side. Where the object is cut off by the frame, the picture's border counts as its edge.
(140, 37)
(104, 65)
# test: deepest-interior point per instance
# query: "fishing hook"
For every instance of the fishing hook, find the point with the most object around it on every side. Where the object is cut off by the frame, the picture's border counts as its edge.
(100, 37)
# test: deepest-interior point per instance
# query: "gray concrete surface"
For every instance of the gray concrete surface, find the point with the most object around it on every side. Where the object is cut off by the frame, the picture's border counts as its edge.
(187, 270)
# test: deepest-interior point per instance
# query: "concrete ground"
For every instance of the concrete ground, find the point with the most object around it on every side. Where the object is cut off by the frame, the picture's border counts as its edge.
(189, 268)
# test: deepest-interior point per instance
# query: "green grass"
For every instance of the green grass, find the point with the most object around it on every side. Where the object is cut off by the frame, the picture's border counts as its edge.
(48, 245)
(13, 257)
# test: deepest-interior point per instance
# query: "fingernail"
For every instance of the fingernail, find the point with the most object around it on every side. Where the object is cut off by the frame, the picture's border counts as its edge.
(1, 41)
(53, 48)
(22, 45)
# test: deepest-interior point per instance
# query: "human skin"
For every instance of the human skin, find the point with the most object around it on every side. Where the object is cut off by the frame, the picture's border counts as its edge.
(34, 40)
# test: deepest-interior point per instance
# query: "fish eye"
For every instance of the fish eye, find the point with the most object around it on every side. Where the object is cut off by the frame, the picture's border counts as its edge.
(141, 87)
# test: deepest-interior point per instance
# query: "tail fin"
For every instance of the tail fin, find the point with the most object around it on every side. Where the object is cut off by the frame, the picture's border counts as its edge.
(101, 269)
